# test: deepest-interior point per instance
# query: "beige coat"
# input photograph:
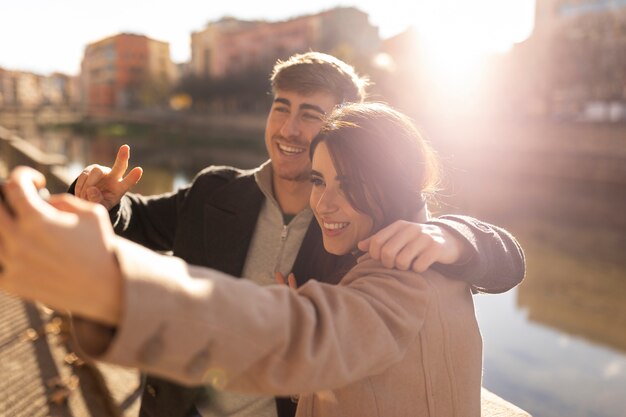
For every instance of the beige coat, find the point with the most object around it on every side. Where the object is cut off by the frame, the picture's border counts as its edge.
(380, 343)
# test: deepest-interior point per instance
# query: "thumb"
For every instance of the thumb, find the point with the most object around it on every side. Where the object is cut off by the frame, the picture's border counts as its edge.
(364, 245)
(21, 191)
(71, 204)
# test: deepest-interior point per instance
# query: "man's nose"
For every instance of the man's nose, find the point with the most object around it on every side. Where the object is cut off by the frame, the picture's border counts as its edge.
(291, 127)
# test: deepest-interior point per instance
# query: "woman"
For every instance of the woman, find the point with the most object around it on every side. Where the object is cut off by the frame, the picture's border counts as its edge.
(382, 342)
(371, 168)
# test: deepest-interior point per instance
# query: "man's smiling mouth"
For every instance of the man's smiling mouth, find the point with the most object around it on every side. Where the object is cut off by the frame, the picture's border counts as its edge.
(290, 149)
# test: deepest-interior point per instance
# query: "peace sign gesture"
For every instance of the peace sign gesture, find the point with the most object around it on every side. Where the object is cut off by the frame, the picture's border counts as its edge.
(107, 186)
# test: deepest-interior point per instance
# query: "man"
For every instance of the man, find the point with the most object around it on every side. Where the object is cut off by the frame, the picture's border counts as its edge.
(256, 223)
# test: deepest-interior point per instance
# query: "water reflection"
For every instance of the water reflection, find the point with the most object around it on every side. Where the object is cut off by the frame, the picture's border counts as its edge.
(547, 371)
(170, 164)
(584, 298)
(556, 345)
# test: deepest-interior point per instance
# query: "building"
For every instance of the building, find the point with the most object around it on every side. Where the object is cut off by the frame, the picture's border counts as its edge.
(577, 55)
(126, 71)
(230, 46)
(20, 89)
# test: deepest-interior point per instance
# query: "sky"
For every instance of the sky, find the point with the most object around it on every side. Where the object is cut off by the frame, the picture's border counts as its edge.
(45, 36)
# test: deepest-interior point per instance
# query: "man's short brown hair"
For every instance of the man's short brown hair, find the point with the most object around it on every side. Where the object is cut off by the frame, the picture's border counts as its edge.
(314, 71)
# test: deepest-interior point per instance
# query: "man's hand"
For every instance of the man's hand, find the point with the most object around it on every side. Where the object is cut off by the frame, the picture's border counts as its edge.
(107, 186)
(58, 252)
(404, 245)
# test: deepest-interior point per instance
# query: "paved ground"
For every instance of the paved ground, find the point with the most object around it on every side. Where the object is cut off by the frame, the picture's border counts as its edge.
(41, 376)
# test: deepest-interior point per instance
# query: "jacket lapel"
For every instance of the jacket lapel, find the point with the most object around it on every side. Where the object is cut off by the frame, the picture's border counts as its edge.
(229, 221)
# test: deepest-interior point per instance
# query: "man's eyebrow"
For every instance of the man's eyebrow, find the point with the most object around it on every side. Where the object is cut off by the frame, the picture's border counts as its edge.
(313, 107)
(303, 106)
(282, 101)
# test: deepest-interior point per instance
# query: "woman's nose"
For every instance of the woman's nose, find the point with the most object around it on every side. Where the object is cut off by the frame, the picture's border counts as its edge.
(326, 203)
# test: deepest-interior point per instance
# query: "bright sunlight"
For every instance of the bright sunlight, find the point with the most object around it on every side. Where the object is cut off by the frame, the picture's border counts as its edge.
(457, 35)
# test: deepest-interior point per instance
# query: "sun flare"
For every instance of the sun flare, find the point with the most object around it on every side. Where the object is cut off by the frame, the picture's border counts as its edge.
(456, 36)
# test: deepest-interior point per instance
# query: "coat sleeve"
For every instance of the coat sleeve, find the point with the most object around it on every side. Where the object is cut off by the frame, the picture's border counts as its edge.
(152, 221)
(497, 263)
(267, 340)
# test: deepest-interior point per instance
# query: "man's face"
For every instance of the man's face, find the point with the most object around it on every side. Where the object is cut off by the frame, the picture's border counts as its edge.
(294, 120)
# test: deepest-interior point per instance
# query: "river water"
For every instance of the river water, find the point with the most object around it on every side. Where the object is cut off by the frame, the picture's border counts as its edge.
(556, 345)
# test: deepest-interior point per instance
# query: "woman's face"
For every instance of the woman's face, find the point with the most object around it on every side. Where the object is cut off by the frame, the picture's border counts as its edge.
(342, 226)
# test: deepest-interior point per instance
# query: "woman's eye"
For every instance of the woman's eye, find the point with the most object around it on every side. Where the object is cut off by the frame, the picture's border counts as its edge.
(281, 109)
(316, 181)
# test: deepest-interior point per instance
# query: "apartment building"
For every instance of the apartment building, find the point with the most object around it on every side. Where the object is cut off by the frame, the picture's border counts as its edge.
(577, 50)
(229, 46)
(125, 71)
(20, 89)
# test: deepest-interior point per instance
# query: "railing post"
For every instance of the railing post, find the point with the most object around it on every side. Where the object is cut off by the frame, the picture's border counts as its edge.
(16, 151)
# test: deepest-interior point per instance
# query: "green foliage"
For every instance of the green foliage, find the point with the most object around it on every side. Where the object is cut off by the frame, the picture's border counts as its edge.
(246, 92)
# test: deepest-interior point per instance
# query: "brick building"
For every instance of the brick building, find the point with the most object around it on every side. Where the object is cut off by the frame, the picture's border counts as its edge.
(125, 71)
(229, 46)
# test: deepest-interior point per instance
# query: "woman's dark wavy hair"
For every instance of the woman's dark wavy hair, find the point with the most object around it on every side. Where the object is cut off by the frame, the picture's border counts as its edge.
(390, 168)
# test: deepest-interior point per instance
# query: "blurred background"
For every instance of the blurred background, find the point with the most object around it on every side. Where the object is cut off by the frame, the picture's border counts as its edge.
(524, 100)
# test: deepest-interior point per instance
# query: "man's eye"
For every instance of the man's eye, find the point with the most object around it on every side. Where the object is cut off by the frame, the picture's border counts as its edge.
(311, 116)
(281, 109)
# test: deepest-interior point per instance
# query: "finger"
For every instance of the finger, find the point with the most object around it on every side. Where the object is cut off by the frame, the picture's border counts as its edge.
(280, 278)
(377, 240)
(7, 224)
(94, 195)
(71, 204)
(392, 248)
(121, 161)
(291, 278)
(81, 181)
(410, 252)
(425, 260)
(21, 192)
(94, 177)
(79, 189)
(132, 178)
(2, 255)
(364, 245)
(363, 257)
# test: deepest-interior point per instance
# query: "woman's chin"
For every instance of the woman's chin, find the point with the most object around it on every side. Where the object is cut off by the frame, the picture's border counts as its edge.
(336, 249)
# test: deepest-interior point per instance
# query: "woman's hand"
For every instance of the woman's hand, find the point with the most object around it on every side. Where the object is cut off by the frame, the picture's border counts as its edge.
(405, 245)
(291, 280)
(58, 252)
